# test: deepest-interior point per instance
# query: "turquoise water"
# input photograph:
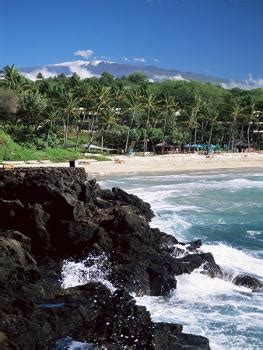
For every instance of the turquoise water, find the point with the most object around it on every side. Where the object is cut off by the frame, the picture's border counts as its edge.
(225, 210)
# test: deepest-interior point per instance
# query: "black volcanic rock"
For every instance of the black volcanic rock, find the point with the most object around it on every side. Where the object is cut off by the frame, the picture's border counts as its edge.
(143, 207)
(170, 336)
(48, 215)
(247, 281)
(66, 218)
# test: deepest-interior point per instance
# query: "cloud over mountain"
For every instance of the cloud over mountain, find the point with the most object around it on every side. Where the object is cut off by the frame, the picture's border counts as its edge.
(94, 68)
(139, 59)
(84, 53)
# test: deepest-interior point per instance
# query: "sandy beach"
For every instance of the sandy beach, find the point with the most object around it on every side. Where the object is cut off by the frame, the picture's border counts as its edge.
(159, 163)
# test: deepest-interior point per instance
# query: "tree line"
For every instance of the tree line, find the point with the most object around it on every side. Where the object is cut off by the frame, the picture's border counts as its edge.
(127, 111)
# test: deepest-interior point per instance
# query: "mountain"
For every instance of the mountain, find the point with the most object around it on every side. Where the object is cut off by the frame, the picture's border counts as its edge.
(87, 69)
(94, 68)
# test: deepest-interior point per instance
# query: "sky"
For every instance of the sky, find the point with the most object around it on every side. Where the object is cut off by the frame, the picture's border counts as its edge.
(222, 38)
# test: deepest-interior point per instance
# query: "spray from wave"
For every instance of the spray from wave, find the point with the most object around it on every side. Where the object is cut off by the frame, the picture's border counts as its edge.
(92, 269)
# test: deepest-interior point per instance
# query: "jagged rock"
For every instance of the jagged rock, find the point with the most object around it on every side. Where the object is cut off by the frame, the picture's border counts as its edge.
(144, 208)
(247, 281)
(62, 215)
(169, 336)
(17, 266)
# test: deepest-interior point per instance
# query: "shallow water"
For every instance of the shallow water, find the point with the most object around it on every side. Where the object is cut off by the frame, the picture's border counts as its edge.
(225, 210)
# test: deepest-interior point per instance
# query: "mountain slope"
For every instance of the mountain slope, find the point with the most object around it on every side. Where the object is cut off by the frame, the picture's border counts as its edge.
(86, 69)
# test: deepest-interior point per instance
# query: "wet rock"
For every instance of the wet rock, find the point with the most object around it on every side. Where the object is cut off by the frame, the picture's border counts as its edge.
(170, 336)
(144, 208)
(17, 265)
(247, 281)
(48, 215)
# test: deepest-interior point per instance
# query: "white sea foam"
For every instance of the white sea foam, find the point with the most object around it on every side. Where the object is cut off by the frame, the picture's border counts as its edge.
(235, 260)
(91, 269)
(213, 308)
(230, 316)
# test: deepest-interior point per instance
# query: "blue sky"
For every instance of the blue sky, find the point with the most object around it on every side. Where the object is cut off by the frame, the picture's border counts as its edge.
(222, 38)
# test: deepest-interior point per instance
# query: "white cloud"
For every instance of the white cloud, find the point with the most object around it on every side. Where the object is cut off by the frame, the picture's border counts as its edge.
(156, 60)
(83, 53)
(66, 64)
(79, 68)
(139, 59)
(247, 84)
(44, 71)
(169, 77)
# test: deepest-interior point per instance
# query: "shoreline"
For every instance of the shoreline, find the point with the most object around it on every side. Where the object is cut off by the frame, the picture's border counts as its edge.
(158, 164)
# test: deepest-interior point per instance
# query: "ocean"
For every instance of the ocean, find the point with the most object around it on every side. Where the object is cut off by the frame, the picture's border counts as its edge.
(225, 210)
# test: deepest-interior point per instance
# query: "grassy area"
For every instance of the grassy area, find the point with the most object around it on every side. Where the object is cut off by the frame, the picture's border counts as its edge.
(10, 150)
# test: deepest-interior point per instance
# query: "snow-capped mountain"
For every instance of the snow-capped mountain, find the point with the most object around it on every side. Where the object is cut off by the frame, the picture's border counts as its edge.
(94, 68)
(87, 69)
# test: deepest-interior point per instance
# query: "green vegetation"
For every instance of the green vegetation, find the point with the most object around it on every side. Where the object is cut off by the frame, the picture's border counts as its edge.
(54, 118)
(10, 150)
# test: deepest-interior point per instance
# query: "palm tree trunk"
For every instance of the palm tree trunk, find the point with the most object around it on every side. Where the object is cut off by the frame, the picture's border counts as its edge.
(195, 135)
(242, 132)
(173, 129)
(66, 130)
(230, 137)
(211, 132)
(248, 136)
(79, 130)
(145, 141)
(92, 129)
(190, 140)
(128, 133)
(202, 131)
(47, 139)
(164, 126)
(102, 141)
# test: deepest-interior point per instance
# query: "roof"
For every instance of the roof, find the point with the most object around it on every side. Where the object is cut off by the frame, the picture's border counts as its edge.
(164, 144)
(99, 148)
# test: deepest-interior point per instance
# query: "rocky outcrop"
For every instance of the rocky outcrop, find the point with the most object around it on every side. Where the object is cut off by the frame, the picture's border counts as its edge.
(248, 281)
(48, 215)
(68, 216)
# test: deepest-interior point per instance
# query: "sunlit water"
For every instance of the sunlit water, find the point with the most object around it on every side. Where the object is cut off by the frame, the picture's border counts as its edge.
(225, 210)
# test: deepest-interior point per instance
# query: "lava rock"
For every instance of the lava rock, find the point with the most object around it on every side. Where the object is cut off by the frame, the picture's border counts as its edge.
(52, 214)
(247, 281)
(170, 336)
(144, 208)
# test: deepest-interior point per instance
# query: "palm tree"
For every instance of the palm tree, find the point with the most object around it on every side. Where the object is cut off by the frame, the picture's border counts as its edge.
(102, 100)
(51, 116)
(236, 112)
(108, 121)
(251, 118)
(86, 99)
(14, 80)
(11, 76)
(212, 115)
(69, 110)
(169, 106)
(149, 103)
(192, 118)
(133, 105)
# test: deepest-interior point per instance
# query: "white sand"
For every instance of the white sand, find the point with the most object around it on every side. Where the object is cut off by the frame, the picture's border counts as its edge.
(160, 164)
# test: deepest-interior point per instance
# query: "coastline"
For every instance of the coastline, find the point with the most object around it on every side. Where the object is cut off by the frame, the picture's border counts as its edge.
(159, 164)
